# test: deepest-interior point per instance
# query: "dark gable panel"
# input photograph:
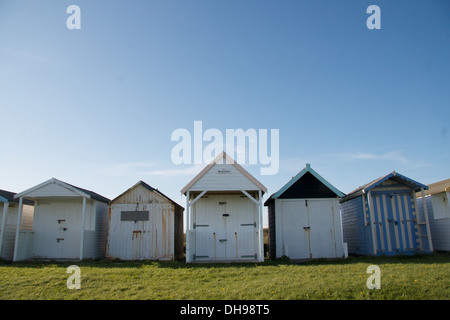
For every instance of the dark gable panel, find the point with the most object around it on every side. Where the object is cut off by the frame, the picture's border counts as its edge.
(307, 186)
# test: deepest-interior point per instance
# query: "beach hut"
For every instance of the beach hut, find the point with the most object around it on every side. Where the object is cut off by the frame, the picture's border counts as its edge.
(224, 214)
(304, 218)
(145, 224)
(380, 218)
(69, 223)
(437, 199)
(8, 222)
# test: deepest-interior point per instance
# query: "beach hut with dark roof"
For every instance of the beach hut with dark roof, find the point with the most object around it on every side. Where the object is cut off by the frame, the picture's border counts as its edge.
(8, 222)
(69, 223)
(304, 219)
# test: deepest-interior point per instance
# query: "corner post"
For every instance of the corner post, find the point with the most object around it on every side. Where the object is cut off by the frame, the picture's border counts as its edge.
(19, 218)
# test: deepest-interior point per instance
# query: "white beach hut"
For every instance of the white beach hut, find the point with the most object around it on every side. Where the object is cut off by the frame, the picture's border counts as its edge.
(437, 199)
(69, 223)
(224, 214)
(304, 219)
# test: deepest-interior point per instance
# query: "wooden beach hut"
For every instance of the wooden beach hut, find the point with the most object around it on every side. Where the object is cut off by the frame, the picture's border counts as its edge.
(304, 218)
(224, 214)
(145, 224)
(69, 223)
(380, 218)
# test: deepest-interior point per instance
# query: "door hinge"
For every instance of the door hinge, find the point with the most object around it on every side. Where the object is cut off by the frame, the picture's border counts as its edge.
(200, 225)
(248, 224)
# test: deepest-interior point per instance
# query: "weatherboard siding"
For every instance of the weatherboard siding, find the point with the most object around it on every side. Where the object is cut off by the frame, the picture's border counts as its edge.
(223, 177)
(355, 233)
(10, 228)
(438, 219)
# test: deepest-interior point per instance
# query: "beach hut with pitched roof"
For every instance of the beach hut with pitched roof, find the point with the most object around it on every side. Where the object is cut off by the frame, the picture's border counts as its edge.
(8, 222)
(69, 223)
(224, 214)
(145, 224)
(437, 204)
(304, 219)
(381, 218)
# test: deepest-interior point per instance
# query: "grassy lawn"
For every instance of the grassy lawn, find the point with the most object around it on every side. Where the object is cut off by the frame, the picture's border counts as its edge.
(406, 277)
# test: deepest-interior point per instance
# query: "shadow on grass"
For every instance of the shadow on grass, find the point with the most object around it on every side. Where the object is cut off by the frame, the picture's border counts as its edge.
(435, 257)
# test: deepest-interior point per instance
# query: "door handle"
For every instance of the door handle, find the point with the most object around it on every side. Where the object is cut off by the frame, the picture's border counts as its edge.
(306, 228)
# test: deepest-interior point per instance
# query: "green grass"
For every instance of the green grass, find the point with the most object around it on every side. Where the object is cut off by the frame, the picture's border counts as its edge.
(405, 277)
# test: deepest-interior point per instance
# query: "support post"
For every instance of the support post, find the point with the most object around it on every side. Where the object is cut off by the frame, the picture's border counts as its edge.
(188, 228)
(425, 212)
(372, 224)
(3, 225)
(261, 229)
(19, 218)
(83, 219)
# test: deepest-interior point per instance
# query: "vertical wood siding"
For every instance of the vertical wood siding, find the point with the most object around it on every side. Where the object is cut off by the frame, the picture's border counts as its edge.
(226, 228)
(158, 238)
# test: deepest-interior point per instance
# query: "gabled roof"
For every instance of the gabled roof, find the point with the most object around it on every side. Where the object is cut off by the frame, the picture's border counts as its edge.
(308, 173)
(224, 156)
(77, 190)
(8, 196)
(414, 185)
(437, 187)
(149, 188)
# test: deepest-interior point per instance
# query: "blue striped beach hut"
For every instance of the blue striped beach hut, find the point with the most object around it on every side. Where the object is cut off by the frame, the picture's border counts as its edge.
(380, 218)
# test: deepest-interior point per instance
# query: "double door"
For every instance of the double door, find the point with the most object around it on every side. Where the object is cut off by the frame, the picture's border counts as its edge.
(310, 228)
(225, 228)
(395, 223)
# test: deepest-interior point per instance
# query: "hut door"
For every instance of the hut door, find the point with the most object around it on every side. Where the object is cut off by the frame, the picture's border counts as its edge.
(321, 214)
(296, 229)
(205, 231)
(395, 222)
(61, 236)
(222, 237)
(140, 241)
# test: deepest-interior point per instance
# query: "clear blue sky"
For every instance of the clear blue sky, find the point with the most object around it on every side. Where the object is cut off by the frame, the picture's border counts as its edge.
(96, 107)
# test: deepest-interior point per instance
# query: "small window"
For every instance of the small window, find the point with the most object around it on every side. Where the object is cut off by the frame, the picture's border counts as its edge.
(134, 216)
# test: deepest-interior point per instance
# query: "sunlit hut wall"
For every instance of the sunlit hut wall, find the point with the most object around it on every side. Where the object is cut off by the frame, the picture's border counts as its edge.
(69, 223)
(145, 224)
(304, 218)
(380, 218)
(9, 208)
(224, 214)
(437, 199)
